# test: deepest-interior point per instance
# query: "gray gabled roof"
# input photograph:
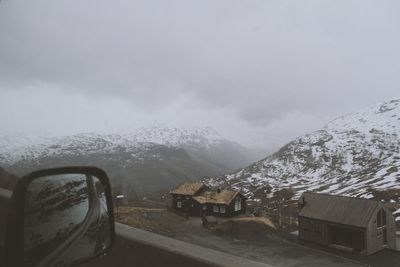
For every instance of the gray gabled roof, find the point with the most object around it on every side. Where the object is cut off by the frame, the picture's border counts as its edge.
(338, 209)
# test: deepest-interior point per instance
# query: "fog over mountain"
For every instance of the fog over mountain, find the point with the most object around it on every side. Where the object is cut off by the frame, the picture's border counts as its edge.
(138, 162)
(260, 72)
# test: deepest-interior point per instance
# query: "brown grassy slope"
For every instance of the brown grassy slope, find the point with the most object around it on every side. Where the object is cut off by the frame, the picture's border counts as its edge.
(155, 220)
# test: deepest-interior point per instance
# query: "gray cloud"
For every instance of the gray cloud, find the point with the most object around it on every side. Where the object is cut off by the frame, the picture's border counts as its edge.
(255, 70)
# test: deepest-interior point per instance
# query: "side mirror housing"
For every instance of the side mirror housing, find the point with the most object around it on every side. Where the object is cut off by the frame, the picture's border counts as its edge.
(59, 217)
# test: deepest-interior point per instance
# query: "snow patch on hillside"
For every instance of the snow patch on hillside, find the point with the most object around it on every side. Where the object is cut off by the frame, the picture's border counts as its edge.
(353, 155)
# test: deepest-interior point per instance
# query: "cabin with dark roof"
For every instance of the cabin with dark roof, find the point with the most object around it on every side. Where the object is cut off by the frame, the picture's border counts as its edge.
(219, 203)
(197, 199)
(182, 197)
(354, 224)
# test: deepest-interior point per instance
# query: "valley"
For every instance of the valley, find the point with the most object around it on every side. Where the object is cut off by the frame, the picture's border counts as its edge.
(355, 155)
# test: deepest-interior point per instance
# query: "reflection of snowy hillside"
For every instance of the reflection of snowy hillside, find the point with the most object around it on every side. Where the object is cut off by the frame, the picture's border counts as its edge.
(97, 235)
(55, 206)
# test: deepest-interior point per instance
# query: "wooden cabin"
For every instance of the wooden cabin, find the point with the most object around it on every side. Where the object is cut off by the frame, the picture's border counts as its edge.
(182, 197)
(197, 199)
(354, 224)
(218, 203)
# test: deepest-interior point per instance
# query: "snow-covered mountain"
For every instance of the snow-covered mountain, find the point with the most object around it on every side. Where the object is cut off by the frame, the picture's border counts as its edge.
(16, 148)
(168, 155)
(355, 155)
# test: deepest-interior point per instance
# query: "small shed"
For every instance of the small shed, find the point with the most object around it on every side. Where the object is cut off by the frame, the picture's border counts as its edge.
(362, 225)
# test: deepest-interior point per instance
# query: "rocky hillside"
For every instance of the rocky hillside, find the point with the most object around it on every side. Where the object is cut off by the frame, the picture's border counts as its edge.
(356, 155)
(148, 159)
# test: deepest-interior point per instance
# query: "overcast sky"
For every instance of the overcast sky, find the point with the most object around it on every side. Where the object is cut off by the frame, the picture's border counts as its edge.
(259, 72)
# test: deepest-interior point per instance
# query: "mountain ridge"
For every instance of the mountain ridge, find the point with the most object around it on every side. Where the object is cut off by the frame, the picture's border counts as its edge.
(148, 159)
(357, 154)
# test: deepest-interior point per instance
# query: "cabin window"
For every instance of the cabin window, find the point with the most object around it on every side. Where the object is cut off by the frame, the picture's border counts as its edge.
(179, 204)
(379, 218)
(238, 204)
(216, 209)
(383, 217)
(222, 209)
(204, 207)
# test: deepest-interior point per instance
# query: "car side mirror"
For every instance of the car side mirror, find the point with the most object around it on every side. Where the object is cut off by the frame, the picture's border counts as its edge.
(59, 217)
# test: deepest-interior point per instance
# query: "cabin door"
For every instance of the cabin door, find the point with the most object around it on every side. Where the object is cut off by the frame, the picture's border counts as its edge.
(203, 210)
(379, 237)
(381, 232)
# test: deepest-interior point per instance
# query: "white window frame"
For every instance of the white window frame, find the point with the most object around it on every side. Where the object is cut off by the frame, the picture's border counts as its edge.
(179, 204)
(238, 204)
(215, 209)
(222, 209)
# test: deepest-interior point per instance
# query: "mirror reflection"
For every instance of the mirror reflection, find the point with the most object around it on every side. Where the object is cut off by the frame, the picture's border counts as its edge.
(66, 220)
(97, 236)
